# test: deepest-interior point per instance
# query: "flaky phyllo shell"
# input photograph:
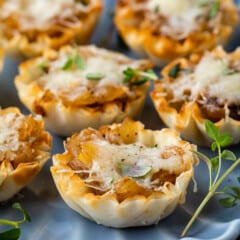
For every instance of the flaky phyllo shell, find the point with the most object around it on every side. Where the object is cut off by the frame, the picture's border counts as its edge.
(203, 87)
(24, 149)
(164, 30)
(80, 87)
(29, 27)
(123, 175)
(1, 58)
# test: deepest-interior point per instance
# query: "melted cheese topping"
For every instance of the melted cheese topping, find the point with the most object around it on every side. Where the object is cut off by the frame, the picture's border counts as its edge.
(39, 14)
(182, 16)
(209, 79)
(109, 65)
(9, 136)
(105, 165)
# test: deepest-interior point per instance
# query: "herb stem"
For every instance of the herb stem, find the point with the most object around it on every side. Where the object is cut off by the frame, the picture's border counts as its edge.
(146, 74)
(9, 222)
(219, 164)
(210, 194)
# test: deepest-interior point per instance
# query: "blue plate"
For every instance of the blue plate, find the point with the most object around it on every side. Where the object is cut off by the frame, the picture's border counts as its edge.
(52, 219)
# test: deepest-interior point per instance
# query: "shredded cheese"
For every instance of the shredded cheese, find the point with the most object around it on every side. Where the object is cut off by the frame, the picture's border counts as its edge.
(109, 65)
(39, 14)
(9, 136)
(208, 78)
(105, 164)
(182, 16)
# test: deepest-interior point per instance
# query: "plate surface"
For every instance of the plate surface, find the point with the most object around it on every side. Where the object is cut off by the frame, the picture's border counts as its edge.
(52, 219)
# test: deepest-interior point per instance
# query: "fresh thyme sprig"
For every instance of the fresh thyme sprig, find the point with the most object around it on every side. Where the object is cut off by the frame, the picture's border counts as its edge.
(137, 77)
(14, 232)
(215, 166)
(233, 195)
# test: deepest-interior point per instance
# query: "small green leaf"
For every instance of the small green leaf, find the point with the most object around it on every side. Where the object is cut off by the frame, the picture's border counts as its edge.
(203, 3)
(140, 81)
(150, 74)
(234, 189)
(228, 71)
(78, 61)
(214, 9)
(229, 155)
(224, 140)
(18, 206)
(138, 77)
(174, 70)
(11, 234)
(238, 178)
(156, 8)
(211, 130)
(68, 64)
(94, 76)
(214, 146)
(128, 74)
(228, 202)
(42, 66)
(214, 163)
(134, 171)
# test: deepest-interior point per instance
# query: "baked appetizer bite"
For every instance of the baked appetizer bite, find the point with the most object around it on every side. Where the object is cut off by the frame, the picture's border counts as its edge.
(123, 175)
(83, 87)
(1, 58)
(24, 149)
(202, 87)
(164, 30)
(29, 27)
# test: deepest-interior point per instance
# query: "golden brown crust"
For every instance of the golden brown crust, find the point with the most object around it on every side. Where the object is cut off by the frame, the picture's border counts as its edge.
(188, 113)
(1, 58)
(98, 104)
(109, 203)
(58, 32)
(24, 151)
(141, 32)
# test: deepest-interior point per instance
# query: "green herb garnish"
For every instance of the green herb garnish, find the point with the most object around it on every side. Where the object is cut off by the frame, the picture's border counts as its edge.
(94, 76)
(136, 77)
(42, 66)
(233, 195)
(214, 167)
(15, 232)
(174, 70)
(213, 9)
(68, 64)
(74, 60)
(156, 8)
(203, 3)
(78, 61)
(134, 171)
(229, 71)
